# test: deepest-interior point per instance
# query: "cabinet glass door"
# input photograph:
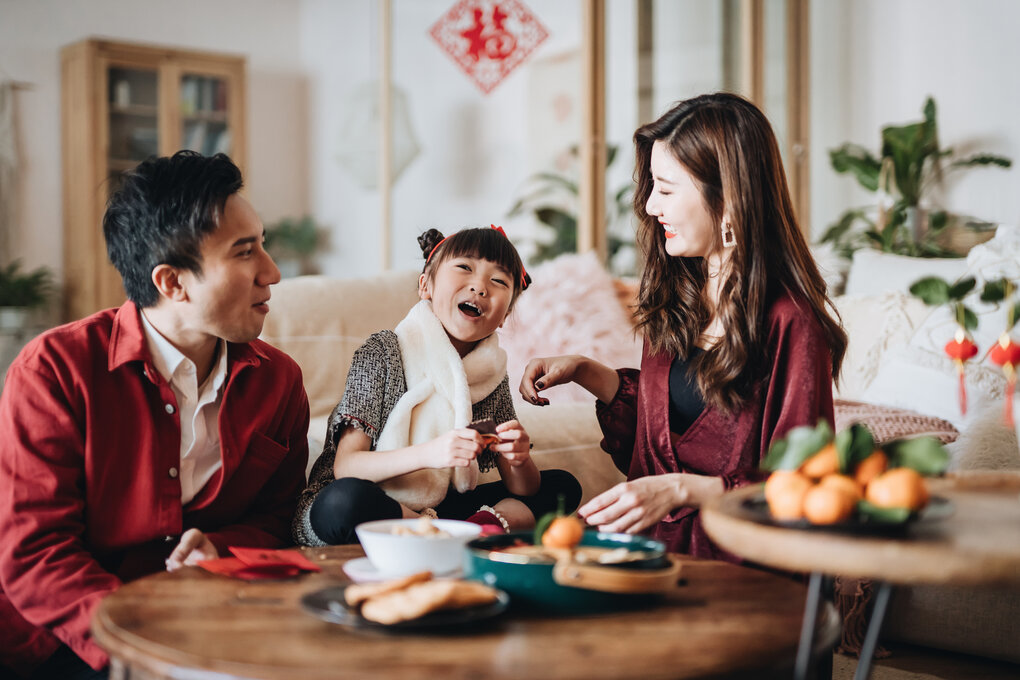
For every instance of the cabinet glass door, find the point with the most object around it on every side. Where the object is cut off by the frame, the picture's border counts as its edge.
(205, 124)
(133, 96)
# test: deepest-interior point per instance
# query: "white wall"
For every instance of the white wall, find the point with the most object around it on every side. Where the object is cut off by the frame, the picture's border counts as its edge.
(474, 147)
(265, 31)
(875, 61)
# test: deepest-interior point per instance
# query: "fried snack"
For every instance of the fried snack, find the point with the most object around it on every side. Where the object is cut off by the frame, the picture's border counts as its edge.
(359, 592)
(422, 598)
(423, 527)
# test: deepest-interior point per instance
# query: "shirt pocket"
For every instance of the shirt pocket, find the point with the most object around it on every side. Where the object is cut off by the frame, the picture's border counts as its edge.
(261, 461)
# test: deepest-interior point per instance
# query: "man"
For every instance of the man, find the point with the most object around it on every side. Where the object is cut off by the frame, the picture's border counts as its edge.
(153, 435)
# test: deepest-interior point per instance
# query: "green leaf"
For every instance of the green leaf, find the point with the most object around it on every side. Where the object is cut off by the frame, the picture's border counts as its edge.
(799, 444)
(959, 290)
(932, 290)
(981, 159)
(860, 445)
(883, 515)
(926, 455)
(970, 320)
(994, 291)
(858, 161)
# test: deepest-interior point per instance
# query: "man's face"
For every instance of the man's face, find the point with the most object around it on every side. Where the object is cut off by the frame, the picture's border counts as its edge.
(229, 298)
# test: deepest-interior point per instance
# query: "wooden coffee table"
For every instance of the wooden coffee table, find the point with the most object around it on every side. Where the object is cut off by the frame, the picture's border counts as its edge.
(977, 544)
(724, 620)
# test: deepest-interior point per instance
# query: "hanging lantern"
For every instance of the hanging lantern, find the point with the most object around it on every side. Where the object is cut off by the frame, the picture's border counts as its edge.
(1006, 353)
(960, 349)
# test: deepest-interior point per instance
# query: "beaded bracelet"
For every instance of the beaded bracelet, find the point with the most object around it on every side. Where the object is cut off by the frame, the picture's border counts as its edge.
(497, 515)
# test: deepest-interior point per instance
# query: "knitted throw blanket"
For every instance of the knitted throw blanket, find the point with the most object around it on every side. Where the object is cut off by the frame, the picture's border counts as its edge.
(441, 387)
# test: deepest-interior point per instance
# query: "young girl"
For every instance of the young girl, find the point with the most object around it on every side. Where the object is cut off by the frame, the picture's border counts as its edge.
(739, 345)
(398, 443)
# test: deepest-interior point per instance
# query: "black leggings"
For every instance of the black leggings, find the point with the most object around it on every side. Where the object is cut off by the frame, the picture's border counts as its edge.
(348, 502)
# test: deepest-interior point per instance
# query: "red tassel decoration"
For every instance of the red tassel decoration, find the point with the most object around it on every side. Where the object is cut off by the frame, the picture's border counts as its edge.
(959, 349)
(1006, 353)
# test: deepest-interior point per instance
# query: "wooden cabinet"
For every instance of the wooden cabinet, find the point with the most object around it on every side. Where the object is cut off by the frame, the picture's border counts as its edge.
(122, 103)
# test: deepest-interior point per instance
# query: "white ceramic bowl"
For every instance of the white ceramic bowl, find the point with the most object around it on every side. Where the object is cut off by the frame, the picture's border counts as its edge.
(400, 554)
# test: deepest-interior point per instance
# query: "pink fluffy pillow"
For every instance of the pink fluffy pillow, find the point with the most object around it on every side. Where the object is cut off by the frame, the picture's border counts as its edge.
(571, 307)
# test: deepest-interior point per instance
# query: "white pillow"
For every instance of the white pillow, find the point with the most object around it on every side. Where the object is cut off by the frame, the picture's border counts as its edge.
(874, 324)
(927, 382)
(873, 272)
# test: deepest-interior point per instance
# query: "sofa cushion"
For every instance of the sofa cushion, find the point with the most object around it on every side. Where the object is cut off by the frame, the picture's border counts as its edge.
(573, 307)
(874, 324)
(320, 321)
(886, 423)
(873, 272)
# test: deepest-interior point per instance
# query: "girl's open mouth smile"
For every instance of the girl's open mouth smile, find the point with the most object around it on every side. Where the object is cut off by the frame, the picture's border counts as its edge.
(470, 309)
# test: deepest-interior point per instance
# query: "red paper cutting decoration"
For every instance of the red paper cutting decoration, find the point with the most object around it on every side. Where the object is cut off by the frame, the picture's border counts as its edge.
(488, 38)
(959, 349)
(1006, 353)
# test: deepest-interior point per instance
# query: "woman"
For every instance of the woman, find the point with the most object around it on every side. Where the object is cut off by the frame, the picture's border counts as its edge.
(739, 344)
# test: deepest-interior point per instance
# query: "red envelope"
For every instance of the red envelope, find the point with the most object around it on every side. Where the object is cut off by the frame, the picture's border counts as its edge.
(260, 563)
(262, 557)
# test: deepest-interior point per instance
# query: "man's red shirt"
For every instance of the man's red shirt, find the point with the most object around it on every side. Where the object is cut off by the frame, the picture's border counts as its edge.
(89, 460)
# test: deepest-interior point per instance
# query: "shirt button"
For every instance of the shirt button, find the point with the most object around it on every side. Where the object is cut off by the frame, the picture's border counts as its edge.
(173, 473)
(169, 539)
(170, 409)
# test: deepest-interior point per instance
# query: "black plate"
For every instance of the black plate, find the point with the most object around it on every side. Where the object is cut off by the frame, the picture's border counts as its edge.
(329, 605)
(938, 508)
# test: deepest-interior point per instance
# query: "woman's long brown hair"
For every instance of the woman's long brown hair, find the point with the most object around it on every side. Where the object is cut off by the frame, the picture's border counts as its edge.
(728, 147)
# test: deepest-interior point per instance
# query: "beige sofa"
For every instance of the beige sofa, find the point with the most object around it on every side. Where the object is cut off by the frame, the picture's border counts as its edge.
(321, 321)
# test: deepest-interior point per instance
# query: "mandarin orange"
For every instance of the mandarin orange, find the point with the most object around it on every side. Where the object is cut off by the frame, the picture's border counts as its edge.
(844, 483)
(784, 492)
(872, 466)
(563, 532)
(825, 462)
(898, 488)
(828, 504)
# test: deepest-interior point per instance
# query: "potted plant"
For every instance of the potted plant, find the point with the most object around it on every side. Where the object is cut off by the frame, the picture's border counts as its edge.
(553, 200)
(292, 242)
(21, 292)
(906, 219)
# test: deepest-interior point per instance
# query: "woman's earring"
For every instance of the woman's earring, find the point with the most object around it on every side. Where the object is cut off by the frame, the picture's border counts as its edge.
(728, 239)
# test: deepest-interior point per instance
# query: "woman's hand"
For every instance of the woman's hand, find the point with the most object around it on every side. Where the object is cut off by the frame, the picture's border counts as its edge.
(515, 444)
(543, 373)
(634, 506)
(456, 448)
(194, 547)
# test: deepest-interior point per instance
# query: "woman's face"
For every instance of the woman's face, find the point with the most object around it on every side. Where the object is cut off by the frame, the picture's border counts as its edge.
(677, 203)
(470, 297)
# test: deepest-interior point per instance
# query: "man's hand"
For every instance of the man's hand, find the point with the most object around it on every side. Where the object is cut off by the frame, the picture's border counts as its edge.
(193, 548)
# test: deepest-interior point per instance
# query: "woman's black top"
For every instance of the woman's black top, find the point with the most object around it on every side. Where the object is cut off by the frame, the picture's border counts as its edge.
(685, 402)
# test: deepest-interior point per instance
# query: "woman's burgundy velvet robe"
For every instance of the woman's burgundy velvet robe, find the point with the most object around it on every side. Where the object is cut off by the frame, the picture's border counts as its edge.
(797, 391)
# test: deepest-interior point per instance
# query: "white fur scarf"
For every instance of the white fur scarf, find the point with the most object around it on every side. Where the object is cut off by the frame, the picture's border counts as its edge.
(441, 387)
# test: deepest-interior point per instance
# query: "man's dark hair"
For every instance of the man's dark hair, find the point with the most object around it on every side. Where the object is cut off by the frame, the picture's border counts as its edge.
(161, 213)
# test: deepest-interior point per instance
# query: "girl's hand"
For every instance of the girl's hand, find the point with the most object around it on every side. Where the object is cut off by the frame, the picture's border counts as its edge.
(515, 444)
(456, 448)
(545, 372)
(633, 506)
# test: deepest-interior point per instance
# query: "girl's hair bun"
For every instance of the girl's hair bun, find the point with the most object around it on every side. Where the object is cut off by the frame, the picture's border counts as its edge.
(428, 241)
